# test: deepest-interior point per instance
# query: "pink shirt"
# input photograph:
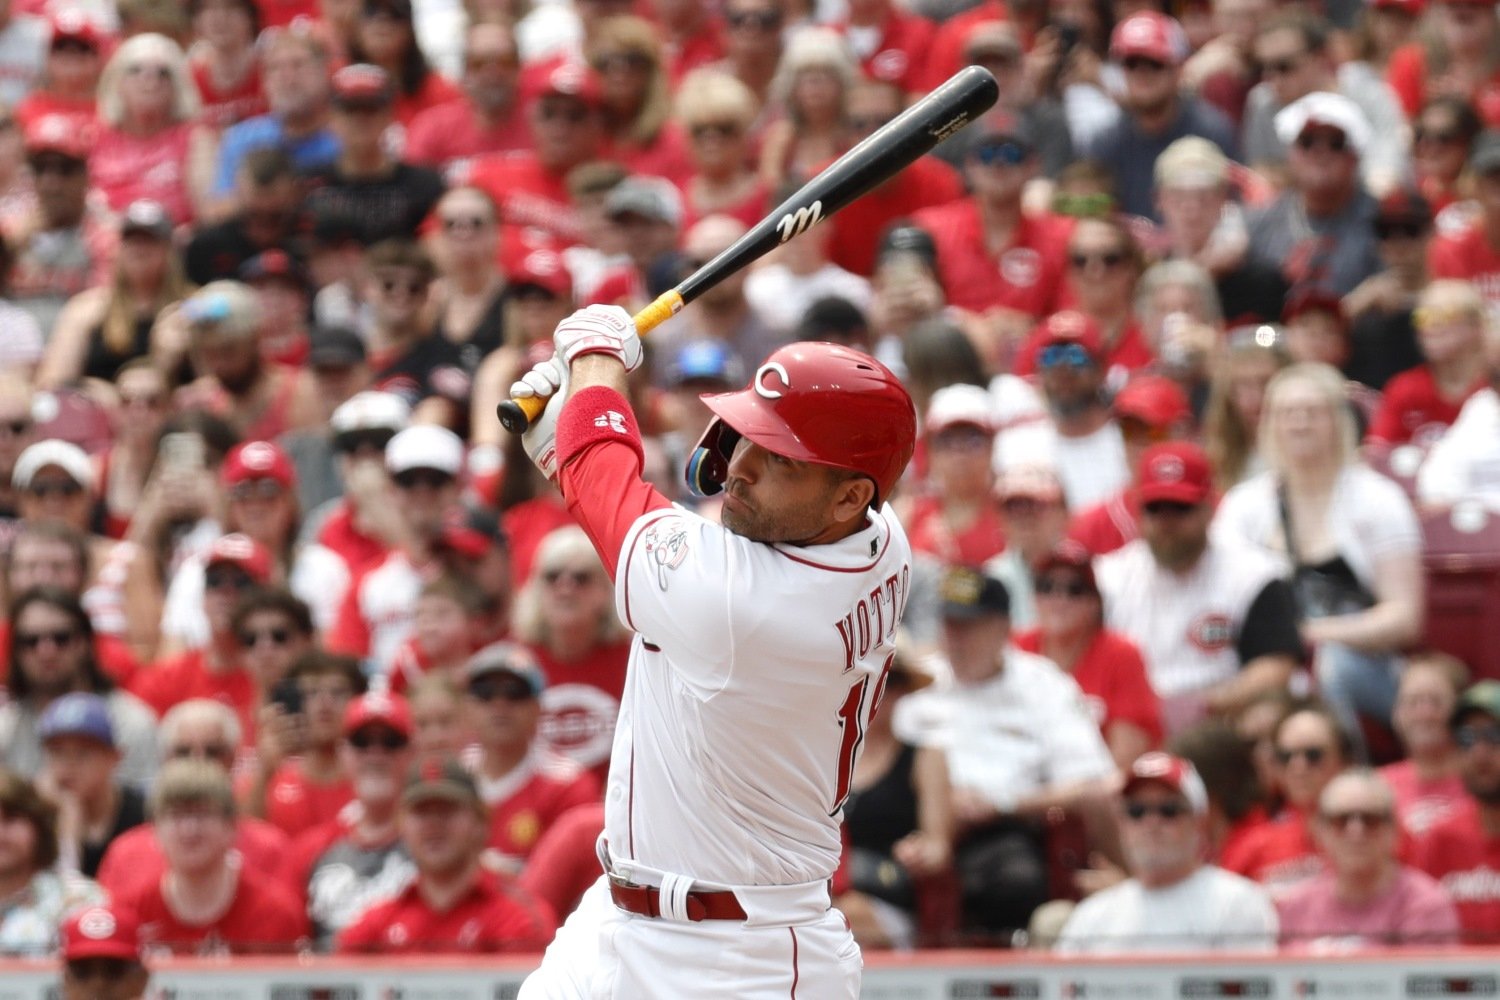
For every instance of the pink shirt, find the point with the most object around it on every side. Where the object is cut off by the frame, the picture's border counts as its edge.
(1423, 804)
(1415, 911)
(127, 167)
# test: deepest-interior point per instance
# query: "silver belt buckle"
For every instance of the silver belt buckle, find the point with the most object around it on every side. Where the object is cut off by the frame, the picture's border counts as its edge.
(620, 881)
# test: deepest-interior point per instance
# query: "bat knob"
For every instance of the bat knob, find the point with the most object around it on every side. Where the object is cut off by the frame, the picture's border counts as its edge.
(512, 417)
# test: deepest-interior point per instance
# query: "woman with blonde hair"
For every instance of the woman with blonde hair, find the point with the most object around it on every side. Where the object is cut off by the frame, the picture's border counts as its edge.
(626, 54)
(565, 615)
(812, 86)
(1348, 537)
(717, 112)
(150, 144)
(1236, 397)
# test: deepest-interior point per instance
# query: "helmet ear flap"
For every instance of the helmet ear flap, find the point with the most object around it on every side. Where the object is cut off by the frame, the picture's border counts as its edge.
(708, 466)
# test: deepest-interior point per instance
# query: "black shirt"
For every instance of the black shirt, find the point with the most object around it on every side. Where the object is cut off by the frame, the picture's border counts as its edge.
(388, 207)
(132, 813)
(1270, 626)
(216, 252)
(431, 366)
(1381, 345)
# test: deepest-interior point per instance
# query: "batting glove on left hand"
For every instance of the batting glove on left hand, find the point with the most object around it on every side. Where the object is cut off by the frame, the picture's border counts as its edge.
(547, 380)
(599, 330)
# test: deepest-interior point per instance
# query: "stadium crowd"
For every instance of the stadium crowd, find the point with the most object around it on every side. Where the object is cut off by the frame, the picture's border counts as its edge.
(300, 653)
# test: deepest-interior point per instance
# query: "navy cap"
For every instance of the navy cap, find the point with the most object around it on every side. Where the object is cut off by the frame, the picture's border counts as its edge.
(78, 714)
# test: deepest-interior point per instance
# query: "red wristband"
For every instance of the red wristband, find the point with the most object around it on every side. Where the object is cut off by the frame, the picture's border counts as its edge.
(592, 415)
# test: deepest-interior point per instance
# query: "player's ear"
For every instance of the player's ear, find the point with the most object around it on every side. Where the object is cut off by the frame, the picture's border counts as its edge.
(852, 498)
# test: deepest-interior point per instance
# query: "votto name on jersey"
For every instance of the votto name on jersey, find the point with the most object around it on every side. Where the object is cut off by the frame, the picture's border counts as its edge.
(873, 619)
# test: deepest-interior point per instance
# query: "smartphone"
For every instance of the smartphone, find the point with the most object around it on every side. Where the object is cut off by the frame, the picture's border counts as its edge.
(288, 695)
(182, 451)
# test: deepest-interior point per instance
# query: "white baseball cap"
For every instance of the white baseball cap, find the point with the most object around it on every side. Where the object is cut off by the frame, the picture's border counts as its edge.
(1323, 108)
(425, 446)
(66, 456)
(371, 410)
(953, 405)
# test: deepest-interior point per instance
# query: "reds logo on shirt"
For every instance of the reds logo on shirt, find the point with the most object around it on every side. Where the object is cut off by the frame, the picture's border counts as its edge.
(1021, 267)
(889, 65)
(1211, 633)
(578, 722)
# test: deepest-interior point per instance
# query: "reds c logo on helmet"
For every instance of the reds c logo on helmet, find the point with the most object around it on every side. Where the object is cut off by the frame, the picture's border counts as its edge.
(813, 402)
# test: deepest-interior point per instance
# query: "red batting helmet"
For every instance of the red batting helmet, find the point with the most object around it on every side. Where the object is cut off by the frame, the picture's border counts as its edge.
(813, 402)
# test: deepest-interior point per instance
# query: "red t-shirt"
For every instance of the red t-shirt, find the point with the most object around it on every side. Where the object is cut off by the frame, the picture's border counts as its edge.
(855, 232)
(295, 805)
(535, 209)
(565, 862)
(581, 703)
(447, 132)
(1458, 854)
(526, 524)
(128, 167)
(1113, 678)
(1027, 276)
(703, 47)
(667, 155)
(1467, 255)
(223, 108)
(39, 104)
(749, 209)
(436, 90)
(1243, 830)
(279, 13)
(1107, 526)
(1129, 352)
(1412, 408)
(974, 546)
(526, 802)
(1423, 805)
(900, 57)
(358, 550)
(134, 862)
(495, 915)
(172, 682)
(264, 918)
(1407, 75)
(945, 55)
(1279, 855)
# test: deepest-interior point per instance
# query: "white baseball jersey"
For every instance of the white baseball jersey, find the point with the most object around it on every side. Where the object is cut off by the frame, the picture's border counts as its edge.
(753, 675)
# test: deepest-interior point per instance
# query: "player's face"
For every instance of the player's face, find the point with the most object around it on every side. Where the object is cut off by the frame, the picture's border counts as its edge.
(1177, 533)
(772, 498)
(103, 979)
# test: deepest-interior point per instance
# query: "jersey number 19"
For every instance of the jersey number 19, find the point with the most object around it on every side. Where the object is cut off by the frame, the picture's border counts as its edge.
(854, 718)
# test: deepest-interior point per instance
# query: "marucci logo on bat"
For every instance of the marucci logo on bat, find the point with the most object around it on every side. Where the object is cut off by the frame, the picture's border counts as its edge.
(803, 219)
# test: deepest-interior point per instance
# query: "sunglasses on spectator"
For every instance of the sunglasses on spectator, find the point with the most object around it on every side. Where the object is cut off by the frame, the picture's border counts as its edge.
(720, 130)
(1075, 588)
(275, 636)
(1109, 259)
(636, 61)
(1168, 508)
(1399, 230)
(75, 45)
(226, 578)
(61, 638)
(464, 223)
(573, 114)
(61, 165)
(1313, 755)
(1332, 141)
(1020, 506)
(500, 687)
(386, 739)
(1166, 810)
(15, 427)
(155, 69)
(1065, 355)
(433, 479)
(968, 439)
(380, 13)
(1437, 136)
(1470, 737)
(411, 286)
(759, 20)
(577, 577)
(1370, 819)
(1136, 64)
(1280, 67)
(353, 442)
(209, 751)
(1005, 153)
(256, 489)
(60, 487)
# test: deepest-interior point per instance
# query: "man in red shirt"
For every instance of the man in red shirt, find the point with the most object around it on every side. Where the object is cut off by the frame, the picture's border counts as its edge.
(101, 955)
(209, 902)
(489, 119)
(454, 904)
(890, 43)
(524, 786)
(1474, 253)
(1464, 851)
(992, 258)
(1422, 402)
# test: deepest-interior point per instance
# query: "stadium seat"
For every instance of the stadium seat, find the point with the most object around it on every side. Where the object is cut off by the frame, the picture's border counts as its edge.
(1461, 553)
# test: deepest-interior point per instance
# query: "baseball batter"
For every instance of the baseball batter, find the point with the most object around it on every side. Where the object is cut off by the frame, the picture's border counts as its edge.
(760, 652)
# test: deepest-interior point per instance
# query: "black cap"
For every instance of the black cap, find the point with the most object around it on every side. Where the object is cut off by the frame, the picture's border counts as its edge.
(274, 265)
(968, 593)
(335, 347)
(907, 239)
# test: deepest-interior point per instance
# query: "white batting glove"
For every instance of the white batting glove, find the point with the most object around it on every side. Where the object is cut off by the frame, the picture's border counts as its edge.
(599, 330)
(547, 380)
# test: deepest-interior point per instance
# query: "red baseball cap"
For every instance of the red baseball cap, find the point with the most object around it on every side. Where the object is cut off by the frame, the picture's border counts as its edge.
(1068, 554)
(1174, 772)
(565, 79)
(1313, 299)
(1412, 7)
(1152, 35)
(378, 707)
(244, 552)
(1155, 400)
(100, 932)
(1071, 325)
(1177, 471)
(59, 134)
(363, 84)
(257, 460)
(76, 26)
(546, 270)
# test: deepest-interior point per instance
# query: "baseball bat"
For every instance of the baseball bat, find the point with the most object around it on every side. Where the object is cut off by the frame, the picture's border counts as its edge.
(895, 145)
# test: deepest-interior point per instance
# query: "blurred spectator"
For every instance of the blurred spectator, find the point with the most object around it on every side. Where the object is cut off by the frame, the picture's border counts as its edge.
(268, 216)
(23, 49)
(562, 867)
(487, 118)
(70, 77)
(385, 36)
(1202, 225)
(209, 902)
(1034, 519)
(958, 522)
(898, 820)
(1213, 619)
(17, 433)
(52, 654)
(752, 42)
(281, 288)
(1107, 666)
(1181, 323)
(692, 36)
(105, 328)
(1462, 850)
(144, 402)
(1319, 231)
(565, 616)
(1173, 902)
(439, 728)
(1382, 29)
(359, 524)
(101, 955)
(1018, 741)
(717, 111)
(636, 96)
(1231, 421)
(1457, 55)
(1367, 898)
(468, 297)
(811, 86)
(80, 758)
(300, 781)
(646, 213)
(453, 905)
(150, 144)
(1151, 47)
(202, 730)
(224, 61)
(1293, 51)
(406, 357)
(274, 630)
(24, 342)
(890, 42)
(356, 860)
(1226, 762)
(1422, 402)
(1461, 463)
(1310, 749)
(1382, 336)
(1443, 137)
(294, 73)
(1345, 536)
(1426, 783)
(800, 274)
(1089, 450)
(446, 630)
(1104, 266)
(383, 197)
(41, 893)
(336, 359)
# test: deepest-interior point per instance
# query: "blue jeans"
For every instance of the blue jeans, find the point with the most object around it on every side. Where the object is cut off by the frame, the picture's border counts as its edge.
(1355, 683)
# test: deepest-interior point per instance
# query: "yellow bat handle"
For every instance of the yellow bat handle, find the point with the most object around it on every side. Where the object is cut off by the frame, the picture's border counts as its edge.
(517, 414)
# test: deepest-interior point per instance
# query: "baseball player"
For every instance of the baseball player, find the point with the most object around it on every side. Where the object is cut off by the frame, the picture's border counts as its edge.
(760, 651)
